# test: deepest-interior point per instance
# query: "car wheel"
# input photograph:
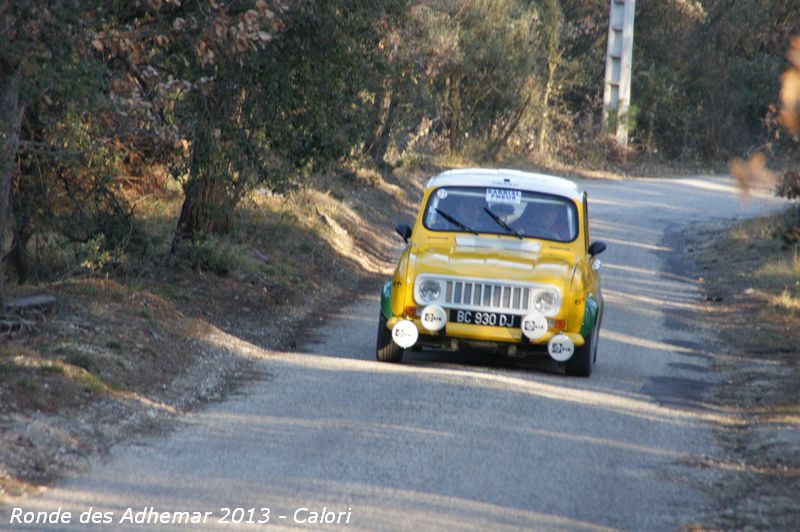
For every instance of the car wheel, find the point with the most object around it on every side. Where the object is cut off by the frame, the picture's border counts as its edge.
(386, 350)
(580, 365)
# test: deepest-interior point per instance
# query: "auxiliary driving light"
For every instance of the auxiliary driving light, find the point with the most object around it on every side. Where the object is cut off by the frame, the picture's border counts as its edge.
(560, 348)
(534, 325)
(433, 318)
(404, 333)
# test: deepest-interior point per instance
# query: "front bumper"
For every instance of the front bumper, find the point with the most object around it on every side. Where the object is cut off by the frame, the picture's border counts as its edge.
(483, 333)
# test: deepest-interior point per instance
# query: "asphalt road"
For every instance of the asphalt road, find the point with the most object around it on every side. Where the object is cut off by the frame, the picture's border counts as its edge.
(464, 441)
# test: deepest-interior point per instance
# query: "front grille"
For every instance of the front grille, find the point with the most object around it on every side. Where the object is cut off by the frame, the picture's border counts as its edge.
(492, 297)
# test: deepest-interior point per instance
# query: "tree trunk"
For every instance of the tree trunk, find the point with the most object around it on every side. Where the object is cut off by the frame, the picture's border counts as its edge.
(544, 130)
(206, 210)
(19, 213)
(19, 256)
(553, 20)
(380, 143)
(207, 203)
(499, 142)
(455, 111)
(10, 116)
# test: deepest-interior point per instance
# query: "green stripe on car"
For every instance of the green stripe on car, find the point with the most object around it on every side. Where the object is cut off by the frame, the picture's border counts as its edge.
(386, 300)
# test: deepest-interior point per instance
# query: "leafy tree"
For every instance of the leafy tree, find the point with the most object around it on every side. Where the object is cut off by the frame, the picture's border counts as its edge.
(182, 79)
(56, 150)
(246, 91)
(737, 77)
(703, 84)
(482, 66)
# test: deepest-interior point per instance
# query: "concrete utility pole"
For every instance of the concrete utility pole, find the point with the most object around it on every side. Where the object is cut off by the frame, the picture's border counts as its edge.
(619, 58)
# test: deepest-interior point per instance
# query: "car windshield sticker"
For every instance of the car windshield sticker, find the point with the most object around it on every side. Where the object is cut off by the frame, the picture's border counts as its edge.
(503, 195)
(442, 193)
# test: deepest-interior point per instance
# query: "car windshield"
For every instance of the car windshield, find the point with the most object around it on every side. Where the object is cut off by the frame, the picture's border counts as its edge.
(518, 213)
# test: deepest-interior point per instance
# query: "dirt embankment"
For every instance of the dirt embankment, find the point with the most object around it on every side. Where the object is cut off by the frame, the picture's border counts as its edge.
(125, 355)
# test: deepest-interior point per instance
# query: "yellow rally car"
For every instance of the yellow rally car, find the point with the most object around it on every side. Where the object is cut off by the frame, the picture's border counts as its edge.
(497, 258)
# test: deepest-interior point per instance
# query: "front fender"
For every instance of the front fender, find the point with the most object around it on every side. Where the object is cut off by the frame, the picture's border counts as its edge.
(399, 289)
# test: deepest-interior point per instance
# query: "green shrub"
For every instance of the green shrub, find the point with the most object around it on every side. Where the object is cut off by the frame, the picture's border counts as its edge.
(789, 187)
(93, 254)
(212, 254)
(82, 360)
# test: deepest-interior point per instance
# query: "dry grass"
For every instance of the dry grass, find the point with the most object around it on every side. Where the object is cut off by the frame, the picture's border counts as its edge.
(785, 300)
(775, 275)
(786, 268)
(759, 276)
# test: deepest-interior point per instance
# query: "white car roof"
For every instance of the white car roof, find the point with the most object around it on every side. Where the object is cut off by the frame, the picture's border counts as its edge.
(507, 179)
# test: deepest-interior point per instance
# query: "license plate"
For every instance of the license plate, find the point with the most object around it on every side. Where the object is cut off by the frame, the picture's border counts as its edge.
(492, 319)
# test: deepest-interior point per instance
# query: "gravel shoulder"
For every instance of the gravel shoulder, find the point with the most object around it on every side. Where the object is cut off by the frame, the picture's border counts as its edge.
(747, 269)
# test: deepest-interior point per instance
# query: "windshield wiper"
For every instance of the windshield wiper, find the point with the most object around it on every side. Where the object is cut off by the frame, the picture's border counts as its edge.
(502, 224)
(454, 221)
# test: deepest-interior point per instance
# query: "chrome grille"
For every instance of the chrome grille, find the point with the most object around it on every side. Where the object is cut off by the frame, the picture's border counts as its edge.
(487, 296)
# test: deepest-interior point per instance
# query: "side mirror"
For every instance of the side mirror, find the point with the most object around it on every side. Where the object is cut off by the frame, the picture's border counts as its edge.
(404, 231)
(596, 248)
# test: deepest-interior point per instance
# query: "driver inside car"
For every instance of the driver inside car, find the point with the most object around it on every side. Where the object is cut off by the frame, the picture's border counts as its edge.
(460, 207)
(544, 220)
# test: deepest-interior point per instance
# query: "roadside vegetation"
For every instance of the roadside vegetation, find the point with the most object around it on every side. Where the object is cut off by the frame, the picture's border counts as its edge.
(174, 170)
(223, 98)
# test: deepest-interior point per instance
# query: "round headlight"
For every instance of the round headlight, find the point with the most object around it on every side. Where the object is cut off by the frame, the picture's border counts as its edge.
(545, 301)
(429, 291)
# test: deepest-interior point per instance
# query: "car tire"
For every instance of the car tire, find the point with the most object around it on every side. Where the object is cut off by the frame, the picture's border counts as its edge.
(580, 364)
(386, 350)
